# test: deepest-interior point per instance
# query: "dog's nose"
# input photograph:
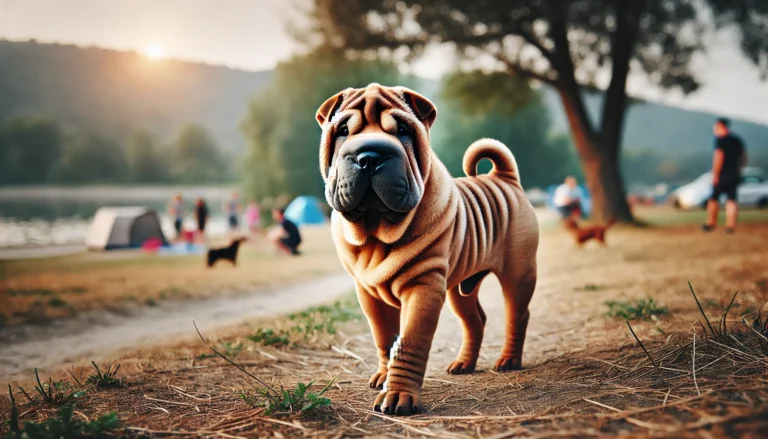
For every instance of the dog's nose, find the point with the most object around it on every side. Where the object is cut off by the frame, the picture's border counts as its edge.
(369, 160)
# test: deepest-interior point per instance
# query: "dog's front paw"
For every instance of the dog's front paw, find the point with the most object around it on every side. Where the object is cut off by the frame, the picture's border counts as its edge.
(460, 367)
(379, 378)
(505, 364)
(399, 403)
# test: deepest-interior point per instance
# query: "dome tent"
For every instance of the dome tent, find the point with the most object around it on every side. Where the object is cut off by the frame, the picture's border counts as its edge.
(123, 227)
(305, 210)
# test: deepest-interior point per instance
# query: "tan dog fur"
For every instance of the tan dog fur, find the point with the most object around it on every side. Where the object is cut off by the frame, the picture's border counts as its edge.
(461, 230)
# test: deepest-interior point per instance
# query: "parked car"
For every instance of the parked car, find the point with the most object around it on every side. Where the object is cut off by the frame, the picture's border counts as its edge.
(752, 192)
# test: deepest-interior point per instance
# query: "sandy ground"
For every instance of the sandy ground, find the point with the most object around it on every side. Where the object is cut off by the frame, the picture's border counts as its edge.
(573, 353)
(40, 252)
(98, 335)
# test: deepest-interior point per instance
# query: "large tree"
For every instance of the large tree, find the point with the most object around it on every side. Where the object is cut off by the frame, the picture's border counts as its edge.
(543, 158)
(567, 44)
(30, 147)
(280, 125)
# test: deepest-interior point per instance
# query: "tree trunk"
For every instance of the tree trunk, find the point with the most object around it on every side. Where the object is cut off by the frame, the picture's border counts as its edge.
(600, 162)
(599, 149)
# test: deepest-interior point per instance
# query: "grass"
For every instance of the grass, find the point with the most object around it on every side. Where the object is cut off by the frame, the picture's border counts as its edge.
(310, 323)
(108, 378)
(53, 392)
(644, 309)
(298, 400)
(95, 281)
(62, 426)
(669, 216)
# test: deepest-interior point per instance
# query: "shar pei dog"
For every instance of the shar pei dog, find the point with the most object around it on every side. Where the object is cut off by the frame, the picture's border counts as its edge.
(411, 235)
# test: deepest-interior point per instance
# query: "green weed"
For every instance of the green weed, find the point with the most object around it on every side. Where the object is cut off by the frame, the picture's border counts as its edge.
(232, 350)
(204, 356)
(150, 302)
(62, 426)
(315, 320)
(269, 337)
(639, 309)
(297, 400)
(54, 392)
(108, 378)
(57, 302)
(588, 287)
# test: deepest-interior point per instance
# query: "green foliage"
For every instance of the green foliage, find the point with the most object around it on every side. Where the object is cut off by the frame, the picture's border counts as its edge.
(543, 158)
(232, 350)
(639, 309)
(280, 127)
(269, 337)
(92, 158)
(311, 322)
(30, 147)
(147, 162)
(108, 378)
(479, 94)
(62, 426)
(297, 400)
(54, 392)
(196, 157)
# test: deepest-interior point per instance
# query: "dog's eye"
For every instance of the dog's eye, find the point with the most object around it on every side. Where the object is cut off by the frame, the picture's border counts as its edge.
(343, 130)
(402, 129)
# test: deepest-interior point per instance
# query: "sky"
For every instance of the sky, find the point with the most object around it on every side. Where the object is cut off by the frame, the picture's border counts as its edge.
(252, 35)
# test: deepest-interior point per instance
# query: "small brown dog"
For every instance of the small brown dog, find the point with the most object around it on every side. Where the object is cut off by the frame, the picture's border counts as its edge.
(584, 234)
(228, 253)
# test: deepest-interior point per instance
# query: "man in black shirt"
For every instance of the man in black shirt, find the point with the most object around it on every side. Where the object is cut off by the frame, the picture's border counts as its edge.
(285, 235)
(730, 156)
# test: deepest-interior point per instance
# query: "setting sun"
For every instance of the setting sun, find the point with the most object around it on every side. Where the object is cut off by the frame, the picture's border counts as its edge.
(155, 51)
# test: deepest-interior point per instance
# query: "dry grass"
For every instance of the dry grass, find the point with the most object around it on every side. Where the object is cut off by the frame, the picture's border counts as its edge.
(586, 374)
(34, 291)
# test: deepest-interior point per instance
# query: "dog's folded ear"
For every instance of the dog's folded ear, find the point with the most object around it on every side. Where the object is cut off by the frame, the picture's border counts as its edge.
(422, 107)
(329, 108)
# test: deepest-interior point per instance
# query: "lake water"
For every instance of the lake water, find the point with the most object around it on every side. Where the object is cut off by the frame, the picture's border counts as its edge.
(52, 215)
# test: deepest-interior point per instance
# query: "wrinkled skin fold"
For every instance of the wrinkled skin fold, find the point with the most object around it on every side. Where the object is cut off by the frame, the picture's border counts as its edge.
(412, 236)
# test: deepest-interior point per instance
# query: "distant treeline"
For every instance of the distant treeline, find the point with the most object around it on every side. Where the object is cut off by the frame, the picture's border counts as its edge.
(38, 150)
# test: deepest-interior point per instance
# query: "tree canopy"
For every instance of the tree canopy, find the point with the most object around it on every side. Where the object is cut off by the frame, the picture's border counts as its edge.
(280, 126)
(570, 44)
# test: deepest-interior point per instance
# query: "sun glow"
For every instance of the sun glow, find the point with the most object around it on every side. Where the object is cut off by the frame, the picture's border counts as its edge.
(154, 51)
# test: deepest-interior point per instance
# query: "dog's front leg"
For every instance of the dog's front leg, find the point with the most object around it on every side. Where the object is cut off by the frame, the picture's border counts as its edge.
(385, 325)
(420, 311)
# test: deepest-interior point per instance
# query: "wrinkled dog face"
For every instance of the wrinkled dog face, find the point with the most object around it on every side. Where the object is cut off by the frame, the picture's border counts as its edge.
(374, 153)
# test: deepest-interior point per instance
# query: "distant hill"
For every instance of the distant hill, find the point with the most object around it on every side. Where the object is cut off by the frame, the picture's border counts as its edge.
(116, 92)
(661, 128)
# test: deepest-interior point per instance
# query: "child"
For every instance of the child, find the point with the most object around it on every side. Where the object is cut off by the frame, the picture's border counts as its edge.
(253, 217)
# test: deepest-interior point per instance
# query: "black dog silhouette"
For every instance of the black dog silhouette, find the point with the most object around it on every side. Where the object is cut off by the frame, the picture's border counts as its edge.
(228, 253)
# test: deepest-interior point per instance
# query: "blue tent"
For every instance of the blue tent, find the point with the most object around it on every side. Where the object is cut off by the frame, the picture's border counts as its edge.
(305, 210)
(586, 202)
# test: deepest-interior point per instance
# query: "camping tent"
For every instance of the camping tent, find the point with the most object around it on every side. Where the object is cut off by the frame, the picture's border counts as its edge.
(123, 227)
(305, 210)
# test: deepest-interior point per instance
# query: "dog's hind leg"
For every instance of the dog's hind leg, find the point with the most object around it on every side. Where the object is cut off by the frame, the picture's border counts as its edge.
(467, 308)
(518, 286)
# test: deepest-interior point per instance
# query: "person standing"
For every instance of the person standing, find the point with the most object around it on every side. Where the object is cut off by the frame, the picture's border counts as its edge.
(232, 210)
(201, 215)
(176, 211)
(567, 198)
(253, 216)
(729, 157)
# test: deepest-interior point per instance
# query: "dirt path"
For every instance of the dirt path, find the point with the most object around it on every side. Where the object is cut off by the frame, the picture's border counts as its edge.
(100, 335)
(573, 355)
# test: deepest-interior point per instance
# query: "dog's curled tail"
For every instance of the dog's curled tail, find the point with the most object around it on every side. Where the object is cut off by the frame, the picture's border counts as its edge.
(504, 164)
